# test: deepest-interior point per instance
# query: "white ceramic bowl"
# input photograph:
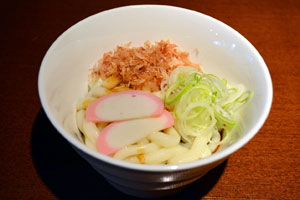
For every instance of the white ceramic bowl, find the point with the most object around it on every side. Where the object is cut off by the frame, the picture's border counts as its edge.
(221, 50)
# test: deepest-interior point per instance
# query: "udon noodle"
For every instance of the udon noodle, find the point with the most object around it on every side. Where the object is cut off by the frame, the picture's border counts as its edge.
(204, 107)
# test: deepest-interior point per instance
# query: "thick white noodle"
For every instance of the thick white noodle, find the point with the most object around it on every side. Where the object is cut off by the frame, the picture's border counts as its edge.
(168, 139)
(90, 130)
(158, 147)
(198, 150)
(163, 155)
(133, 150)
(214, 140)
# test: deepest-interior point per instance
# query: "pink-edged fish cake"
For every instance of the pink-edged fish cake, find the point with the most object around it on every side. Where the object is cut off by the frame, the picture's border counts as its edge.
(126, 105)
(119, 134)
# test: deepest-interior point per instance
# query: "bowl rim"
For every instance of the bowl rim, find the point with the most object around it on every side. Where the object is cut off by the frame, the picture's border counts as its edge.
(162, 168)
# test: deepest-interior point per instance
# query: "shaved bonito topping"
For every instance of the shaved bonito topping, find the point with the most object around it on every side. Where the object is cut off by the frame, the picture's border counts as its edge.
(142, 68)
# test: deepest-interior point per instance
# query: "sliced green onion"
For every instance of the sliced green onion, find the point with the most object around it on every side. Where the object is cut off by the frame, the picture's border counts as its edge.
(224, 117)
(203, 103)
(238, 102)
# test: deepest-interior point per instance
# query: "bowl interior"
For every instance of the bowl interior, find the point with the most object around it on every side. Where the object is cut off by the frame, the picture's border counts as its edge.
(218, 48)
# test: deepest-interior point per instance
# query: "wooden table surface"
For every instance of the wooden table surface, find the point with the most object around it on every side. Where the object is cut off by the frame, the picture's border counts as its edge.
(37, 163)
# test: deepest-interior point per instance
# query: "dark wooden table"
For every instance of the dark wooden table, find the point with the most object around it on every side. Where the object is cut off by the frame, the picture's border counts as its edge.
(37, 163)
